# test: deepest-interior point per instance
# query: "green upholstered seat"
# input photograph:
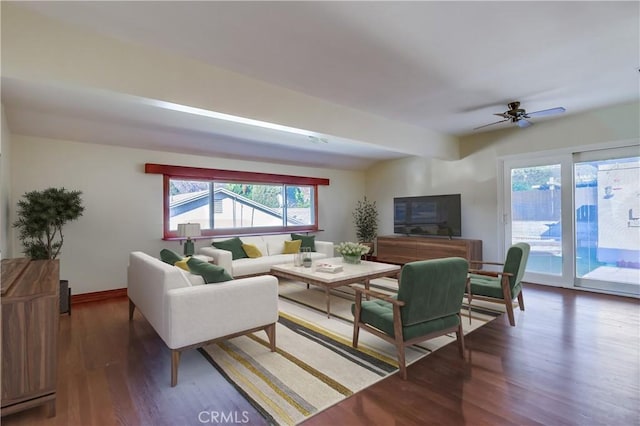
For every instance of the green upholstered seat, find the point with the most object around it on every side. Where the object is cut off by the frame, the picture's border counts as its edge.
(505, 285)
(427, 305)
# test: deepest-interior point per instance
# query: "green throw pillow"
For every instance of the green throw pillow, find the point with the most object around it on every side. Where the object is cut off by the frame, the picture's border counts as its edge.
(308, 241)
(195, 261)
(234, 245)
(170, 256)
(209, 272)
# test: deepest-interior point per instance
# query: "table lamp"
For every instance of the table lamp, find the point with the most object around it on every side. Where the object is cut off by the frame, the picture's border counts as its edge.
(188, 230)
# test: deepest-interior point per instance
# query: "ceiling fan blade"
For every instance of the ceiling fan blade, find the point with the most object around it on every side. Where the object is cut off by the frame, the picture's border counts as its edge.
(524, 123)
(502, 114)
(491, 124)
(545, 112)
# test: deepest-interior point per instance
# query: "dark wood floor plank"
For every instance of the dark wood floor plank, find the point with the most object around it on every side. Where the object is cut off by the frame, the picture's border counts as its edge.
(572, 359)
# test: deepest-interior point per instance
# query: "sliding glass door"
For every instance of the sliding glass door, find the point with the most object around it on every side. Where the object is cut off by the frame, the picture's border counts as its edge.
(580, 212)
(535, 213)
(607, 239)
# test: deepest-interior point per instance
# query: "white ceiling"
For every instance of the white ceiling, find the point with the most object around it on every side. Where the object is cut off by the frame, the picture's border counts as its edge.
(445, 66)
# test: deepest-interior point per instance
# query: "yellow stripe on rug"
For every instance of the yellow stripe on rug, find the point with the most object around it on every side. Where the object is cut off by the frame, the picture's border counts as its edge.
(338, 338)
(235, 374)
(306, 367)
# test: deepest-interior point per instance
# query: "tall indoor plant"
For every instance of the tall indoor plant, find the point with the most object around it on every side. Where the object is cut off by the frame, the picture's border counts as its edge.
(365, 217)
(41, 217)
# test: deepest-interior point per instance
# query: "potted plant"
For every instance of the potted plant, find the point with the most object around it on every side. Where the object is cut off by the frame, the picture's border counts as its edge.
(41, 217)
(365, 217)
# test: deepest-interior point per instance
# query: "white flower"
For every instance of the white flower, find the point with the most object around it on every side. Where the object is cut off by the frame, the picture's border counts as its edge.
(352, 249)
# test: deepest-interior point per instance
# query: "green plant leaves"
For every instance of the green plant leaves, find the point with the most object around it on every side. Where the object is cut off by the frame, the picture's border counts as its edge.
(41, 216)
(365, 217)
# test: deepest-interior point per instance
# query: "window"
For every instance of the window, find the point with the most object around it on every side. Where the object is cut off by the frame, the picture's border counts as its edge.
(229, 203)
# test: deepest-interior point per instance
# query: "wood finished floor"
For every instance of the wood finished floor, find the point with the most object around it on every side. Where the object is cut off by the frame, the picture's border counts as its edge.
(572, 359)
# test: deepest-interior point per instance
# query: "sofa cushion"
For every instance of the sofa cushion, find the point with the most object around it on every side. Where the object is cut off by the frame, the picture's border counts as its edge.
(193, 278)
(170, 256)
(275, 243)
(234, 245)
(291, 247)
(260, 265)
(252, 250)
(209, 272)
(308, 241)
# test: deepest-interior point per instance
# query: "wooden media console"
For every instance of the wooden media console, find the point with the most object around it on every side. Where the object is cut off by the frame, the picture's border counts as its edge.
(402, 249)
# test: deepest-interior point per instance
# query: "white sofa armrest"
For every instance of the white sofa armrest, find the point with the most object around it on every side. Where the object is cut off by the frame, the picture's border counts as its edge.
(202, 313)
(148, 282)
(220, 257)
(325, 247)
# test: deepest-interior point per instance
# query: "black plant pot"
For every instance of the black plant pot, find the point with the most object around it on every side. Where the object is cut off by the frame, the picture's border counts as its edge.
(65, 297)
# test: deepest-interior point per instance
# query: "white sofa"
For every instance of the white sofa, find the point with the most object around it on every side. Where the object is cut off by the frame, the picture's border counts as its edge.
(189, 316)
(271, 247)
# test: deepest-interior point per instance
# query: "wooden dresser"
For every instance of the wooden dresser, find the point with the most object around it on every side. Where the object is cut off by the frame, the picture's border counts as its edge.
(30, 314)
(400, 249)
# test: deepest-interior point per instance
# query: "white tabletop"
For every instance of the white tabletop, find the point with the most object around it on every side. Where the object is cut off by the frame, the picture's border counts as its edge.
(349, 271)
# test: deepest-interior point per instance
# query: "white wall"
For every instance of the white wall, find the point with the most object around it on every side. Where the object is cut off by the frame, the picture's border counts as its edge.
(474, 176)
(5, 188)
(123, 205)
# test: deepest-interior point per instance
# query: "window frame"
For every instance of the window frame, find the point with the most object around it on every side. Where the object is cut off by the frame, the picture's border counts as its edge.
(212, 175)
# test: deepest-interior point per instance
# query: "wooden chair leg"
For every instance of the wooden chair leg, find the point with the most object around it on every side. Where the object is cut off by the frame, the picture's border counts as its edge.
(271, 335)
(508, 300)
(512, 319)
(399, 340)
(460, 337)
(132, 307)
(356, 334)
(521, 300)
(469, 297)
(401, 359)
(356, 320)
(175, 361)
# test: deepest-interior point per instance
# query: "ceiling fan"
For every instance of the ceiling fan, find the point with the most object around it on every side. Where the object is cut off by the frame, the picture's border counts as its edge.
(517, 115)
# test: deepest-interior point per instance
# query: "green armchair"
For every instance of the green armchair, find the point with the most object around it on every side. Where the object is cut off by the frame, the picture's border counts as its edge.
(427, 305)
(501, 287)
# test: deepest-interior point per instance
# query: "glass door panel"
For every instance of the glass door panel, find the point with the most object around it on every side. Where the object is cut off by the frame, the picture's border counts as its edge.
(607, 222)
(536, 216)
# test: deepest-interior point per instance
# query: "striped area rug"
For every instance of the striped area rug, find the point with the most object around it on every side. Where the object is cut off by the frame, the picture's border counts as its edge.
(315, 365)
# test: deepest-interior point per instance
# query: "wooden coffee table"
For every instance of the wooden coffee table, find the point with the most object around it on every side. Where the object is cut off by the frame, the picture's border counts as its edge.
(351, 274)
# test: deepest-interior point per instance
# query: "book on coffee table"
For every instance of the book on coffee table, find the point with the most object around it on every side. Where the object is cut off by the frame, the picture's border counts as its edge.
(328, 267)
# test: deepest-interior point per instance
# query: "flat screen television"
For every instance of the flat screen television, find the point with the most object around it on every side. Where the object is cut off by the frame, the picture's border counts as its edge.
(437, 215)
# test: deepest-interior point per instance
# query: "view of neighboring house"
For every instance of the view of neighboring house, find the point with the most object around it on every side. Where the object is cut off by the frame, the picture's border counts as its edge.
(231, 211)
